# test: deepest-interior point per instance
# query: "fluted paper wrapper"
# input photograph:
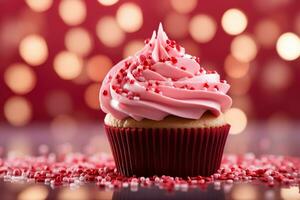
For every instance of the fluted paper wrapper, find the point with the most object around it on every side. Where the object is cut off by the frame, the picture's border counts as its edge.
(178, 152)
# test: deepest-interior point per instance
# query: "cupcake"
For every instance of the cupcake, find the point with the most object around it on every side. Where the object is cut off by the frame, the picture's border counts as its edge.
(164, 113)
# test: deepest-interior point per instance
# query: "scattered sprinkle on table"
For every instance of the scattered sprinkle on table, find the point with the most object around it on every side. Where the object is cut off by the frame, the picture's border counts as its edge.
(74, 170)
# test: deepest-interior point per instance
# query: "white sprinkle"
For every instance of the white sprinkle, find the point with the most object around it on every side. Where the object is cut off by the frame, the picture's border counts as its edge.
(136, 98)
(176, 186)
(217, 183)
(125, 184)
(132, 184)
(184, 185)
(126, 86)
(114, 103)
(141, 78)
(229, 181)
(134, 189)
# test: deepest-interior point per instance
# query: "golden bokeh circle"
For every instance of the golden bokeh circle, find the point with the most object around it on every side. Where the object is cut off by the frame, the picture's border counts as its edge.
(288, 46)
(33, 49)
(20, 78)
(234, 21)
(37, 192)
(235, 68)
(17, 111)
(132, 47)
(237, 119)
(244, 48)
(109, 32)
(183, 6)
(67, 65)
(202, 28)
(78, 40)
(72, 12)
(97, 67)
(91, 96)
(39, 5)
(130, 17)
(108, 2)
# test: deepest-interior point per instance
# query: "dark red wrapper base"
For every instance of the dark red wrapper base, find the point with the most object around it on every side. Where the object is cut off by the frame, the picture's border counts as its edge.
(178, 152)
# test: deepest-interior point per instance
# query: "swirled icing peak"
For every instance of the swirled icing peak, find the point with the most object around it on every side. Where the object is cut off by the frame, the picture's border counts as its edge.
(162, 80)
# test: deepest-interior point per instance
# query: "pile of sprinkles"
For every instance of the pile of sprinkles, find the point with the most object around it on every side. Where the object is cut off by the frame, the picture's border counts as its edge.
(74, 170)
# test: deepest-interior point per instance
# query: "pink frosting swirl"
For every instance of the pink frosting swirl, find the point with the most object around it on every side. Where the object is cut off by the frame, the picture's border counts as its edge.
(162, 80)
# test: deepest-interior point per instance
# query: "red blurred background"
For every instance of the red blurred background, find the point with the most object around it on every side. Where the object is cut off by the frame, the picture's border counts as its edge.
(54, 54)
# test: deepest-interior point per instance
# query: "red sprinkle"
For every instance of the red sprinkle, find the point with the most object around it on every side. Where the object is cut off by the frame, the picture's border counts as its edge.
(157, 90)
(183, 68)
(105, 93)
(206, 85)
(142, 58)
(131, 81)
(147, 41)
(173, 60)
(75, 169)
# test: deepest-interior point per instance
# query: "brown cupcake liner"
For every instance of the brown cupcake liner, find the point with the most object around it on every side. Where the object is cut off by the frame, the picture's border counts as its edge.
(178, 152)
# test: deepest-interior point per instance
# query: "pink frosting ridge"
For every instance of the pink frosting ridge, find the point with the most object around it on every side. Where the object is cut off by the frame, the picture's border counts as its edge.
(161, 80)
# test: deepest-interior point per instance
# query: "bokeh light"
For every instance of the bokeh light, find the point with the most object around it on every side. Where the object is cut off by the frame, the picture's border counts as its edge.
(235, 68)
(97, 67)
(132, 47)
(91, 96)
(297, 24)
(239, 86)
(276, 75)
(33, 49)
(202, 28)
(38, 5)
(279, 122)
(82, 78)
(130, 17)
(17, 111)
(108, 2)
(109, 32)
(102, 194)
(288, 46)
(19, 146)
(72, 12)
(67, 65)
(63, 127)
(243, 102)
(246, 191)
(80, 193)
(191, 47)
(290, 193)
(267, 32)
(237, 119)
(37, 192)
(234, 21)
(183, 6)
(58, 102)
(20, 78)
(79, 41)
(174, 20)
(244, 48)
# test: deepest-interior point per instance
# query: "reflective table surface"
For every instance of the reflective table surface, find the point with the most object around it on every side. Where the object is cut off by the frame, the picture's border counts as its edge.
(259, 138)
